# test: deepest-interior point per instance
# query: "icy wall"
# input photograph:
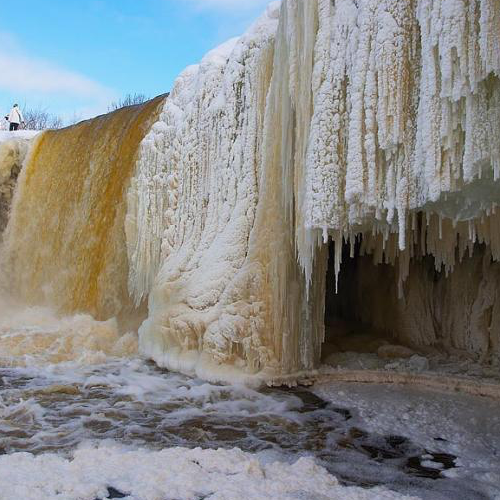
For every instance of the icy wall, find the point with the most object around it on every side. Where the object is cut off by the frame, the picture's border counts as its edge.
(406, 119)
(327, 121)
(349, 121)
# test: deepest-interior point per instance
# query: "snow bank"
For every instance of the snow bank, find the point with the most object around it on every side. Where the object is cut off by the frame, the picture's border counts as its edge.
(18, 134)
(172, 473)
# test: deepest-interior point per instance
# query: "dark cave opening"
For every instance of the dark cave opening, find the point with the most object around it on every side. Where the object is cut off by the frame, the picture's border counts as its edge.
(348, 322)
(454, 313)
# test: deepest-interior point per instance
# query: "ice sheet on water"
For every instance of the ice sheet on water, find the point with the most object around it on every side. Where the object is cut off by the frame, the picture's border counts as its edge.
(464, 426)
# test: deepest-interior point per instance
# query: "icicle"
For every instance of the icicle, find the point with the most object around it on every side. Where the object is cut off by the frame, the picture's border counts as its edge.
(338, 260)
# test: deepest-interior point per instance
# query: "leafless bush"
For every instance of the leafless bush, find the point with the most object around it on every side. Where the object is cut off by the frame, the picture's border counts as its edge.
(40, 119)
(128, 100)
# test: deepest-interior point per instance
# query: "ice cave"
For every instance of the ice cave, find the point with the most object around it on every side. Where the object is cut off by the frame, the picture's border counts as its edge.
(317, 199)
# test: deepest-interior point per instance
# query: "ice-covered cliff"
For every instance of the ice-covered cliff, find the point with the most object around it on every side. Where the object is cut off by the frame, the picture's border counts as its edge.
(372, 119)
(369, 123)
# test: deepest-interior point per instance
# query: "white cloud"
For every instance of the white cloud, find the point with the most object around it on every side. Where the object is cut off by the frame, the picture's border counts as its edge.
(22, 73)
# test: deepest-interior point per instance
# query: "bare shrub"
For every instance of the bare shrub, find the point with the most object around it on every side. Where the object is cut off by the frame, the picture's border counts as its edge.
(128, 100)
(40, 119)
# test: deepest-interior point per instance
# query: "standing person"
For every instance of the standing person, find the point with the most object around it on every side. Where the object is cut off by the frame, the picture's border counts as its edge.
(15, 117)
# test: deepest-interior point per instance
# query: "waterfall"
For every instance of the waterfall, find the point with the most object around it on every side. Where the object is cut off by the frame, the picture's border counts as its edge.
(64, 246)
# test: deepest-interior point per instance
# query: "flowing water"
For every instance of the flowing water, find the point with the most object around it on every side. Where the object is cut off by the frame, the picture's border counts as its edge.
(55, 408)
(65, 241)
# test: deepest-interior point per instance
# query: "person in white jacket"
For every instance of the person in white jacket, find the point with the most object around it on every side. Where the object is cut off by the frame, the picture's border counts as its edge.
(15, 117)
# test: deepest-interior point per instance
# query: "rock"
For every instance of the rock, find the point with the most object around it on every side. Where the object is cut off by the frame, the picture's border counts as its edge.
(364, 343)
(114, 493)
(418, 363)
(392, 351)
(354, 361)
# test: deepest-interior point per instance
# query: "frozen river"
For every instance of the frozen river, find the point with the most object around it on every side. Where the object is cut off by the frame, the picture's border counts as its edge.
(417, 443)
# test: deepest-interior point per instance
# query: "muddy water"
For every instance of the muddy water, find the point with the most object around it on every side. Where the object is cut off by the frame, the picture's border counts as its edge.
(54, 409)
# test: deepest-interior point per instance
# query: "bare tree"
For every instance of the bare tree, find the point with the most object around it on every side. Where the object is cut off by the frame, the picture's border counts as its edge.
(40, 119)
(128, 100)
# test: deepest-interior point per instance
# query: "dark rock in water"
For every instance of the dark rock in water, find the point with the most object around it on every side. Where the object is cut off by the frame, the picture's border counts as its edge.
(415, 466)
(447, 460)
(114, 493)
(344, 412)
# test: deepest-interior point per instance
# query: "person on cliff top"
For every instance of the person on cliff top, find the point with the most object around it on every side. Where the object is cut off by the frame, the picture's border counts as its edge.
(15, 118)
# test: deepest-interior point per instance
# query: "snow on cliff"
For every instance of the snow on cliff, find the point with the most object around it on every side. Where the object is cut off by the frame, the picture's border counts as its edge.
(339, 119)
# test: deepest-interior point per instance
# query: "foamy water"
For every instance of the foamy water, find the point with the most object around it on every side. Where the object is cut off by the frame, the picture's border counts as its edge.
(63, 407)
(74, 389)
(37, 336)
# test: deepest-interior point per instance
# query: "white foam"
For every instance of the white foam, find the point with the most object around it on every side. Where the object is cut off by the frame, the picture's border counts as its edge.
(39, 336)
(171, 473)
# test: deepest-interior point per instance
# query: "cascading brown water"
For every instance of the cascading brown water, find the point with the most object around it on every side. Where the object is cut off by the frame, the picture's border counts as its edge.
(65, 242)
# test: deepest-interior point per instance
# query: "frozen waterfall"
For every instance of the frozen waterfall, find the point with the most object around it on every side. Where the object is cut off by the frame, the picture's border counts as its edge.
(372, 125)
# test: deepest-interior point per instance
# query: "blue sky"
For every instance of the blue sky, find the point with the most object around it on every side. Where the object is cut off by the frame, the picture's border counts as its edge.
(73, 57)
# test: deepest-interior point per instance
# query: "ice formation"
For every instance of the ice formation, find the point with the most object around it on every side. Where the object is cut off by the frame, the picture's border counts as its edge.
(381, 119)
(372, 123)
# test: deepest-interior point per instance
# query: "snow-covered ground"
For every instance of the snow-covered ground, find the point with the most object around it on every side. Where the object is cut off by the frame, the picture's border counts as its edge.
(464, 426)
(5, 135)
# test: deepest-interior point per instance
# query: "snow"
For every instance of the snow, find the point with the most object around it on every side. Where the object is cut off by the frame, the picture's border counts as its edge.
(176, 472)
(19, 134)
(467, 427)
